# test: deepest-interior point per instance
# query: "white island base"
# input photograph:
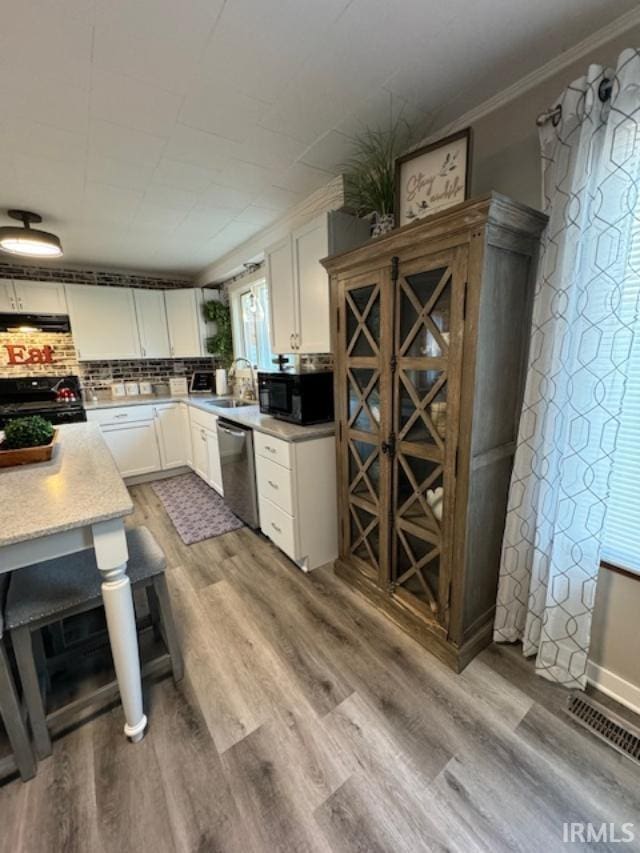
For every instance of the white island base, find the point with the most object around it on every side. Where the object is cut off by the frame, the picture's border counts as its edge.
(76, 501)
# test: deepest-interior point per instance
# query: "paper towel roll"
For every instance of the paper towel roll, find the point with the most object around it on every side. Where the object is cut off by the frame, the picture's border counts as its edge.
(222, 387)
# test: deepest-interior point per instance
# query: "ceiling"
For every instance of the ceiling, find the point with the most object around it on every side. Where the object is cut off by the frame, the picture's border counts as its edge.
(159, 135)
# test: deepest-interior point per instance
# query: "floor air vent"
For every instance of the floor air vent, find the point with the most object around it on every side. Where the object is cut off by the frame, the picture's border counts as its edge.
(605, 724)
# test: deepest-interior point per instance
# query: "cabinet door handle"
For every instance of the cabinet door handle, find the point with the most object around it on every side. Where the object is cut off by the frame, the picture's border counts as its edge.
(297, 340)
(269, 448)
(272, 484)
(144, 352)
(20, 305)
(275, 527)
(292, 341)
(13, 303)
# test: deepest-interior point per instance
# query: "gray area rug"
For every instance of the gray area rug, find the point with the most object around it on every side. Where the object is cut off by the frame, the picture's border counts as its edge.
(197, 511)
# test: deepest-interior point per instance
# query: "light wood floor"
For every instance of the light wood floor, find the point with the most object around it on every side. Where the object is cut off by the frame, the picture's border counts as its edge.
(309, 723)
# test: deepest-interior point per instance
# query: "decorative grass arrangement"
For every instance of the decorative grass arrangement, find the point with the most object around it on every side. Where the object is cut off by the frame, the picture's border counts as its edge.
(370, 171)
(220, 344)
(32, 431)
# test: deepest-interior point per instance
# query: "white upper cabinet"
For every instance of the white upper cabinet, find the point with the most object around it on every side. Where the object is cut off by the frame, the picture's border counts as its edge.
(103, 322)
(32, 297)
(299, 285)
(185, 322)
(310, 244)
(279, 268)
(7, 296)
(152, 323)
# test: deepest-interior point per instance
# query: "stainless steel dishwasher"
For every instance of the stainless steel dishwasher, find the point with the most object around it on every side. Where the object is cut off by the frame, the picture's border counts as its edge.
(238, 470)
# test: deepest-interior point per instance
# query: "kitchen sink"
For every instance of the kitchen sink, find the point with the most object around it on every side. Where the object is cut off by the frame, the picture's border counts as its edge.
(230, 404)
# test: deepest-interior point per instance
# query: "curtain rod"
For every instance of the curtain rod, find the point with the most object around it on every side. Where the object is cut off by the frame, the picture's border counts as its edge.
(555, 114)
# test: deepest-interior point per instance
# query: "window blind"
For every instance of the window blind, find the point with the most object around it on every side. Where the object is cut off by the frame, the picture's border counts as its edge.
(621, 541)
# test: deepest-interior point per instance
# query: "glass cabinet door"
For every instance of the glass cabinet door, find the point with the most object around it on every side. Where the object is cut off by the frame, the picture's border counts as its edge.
(428, 347)
(364, 414)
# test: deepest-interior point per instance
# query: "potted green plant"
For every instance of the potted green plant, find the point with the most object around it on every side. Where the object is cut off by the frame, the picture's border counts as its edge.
(221, 343)
(370, 175)
(27, 440)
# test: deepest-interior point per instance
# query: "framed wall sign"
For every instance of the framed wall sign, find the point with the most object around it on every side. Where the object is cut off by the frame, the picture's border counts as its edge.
(433, 178)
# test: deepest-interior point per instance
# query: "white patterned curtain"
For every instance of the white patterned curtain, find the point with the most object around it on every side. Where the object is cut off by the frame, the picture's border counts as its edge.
(582, 335)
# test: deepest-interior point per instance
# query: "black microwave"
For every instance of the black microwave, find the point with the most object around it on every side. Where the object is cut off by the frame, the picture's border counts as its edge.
(300, 398)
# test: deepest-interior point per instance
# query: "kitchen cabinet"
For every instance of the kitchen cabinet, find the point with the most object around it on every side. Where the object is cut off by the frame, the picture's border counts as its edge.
(134, 447)
(172, 423)
(151, 314)
(103, 322)
(206, 453)
(311, 243)
(130, 435)
(7, 296)
(431, 346)
(214, 466)
(32, 297)
(188, 329)
(297, 498)
(299, 285)
(199, 450)
(279, 269)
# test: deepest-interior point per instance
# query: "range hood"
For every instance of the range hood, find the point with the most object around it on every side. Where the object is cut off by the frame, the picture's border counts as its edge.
(26, 323)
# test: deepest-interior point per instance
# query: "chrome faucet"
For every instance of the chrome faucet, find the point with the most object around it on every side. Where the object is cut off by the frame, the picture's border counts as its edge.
(232, 375)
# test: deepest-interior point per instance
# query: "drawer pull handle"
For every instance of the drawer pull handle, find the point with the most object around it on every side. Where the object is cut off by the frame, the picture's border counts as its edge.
(123, 415)
(269, 448)
(272, 484)
(275, 527)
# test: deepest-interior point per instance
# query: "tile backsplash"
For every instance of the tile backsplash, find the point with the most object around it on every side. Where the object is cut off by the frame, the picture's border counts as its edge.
(105, 278)
(95, 376)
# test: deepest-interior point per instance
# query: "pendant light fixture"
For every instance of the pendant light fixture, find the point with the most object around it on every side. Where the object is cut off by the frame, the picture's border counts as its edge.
(28, 241)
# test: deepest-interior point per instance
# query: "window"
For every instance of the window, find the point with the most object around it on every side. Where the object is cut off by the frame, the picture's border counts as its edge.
(621, 544)
(250, 319)
(621, 541)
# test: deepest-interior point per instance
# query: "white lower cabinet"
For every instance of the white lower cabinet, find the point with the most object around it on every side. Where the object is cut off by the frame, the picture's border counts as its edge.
(206, 454)
(172, 421)
(297, 497)
(200, 457)
(134, 447)
(130, 435)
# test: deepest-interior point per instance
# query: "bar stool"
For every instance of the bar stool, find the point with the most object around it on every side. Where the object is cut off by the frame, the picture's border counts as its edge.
(10, 710)
(53, 590)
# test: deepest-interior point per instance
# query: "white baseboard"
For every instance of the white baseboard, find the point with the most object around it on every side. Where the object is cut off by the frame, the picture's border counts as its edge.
(613, 685)
(156, 475)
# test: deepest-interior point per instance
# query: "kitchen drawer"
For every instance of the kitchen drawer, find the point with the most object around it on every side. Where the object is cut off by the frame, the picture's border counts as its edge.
(279, 526)
(275, 483)
(203, 419)
(274, 449)
(121, 414)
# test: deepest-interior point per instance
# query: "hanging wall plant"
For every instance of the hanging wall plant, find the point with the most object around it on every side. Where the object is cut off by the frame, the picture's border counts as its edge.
(221, 343)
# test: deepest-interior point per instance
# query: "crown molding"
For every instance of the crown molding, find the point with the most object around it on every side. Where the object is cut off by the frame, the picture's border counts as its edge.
(605, 34)
(329, 197)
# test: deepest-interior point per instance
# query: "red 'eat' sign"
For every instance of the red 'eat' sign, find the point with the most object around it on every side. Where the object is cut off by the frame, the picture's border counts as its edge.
(19, 354)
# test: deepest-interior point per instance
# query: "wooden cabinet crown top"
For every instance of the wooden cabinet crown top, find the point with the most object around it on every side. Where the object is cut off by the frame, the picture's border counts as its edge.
(493, 208)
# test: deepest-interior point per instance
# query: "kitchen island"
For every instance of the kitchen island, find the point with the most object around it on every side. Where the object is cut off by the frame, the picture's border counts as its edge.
(78, 500)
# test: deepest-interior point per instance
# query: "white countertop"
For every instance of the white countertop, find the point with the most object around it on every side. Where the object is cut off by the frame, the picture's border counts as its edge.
(79, 486)
(248, 416)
